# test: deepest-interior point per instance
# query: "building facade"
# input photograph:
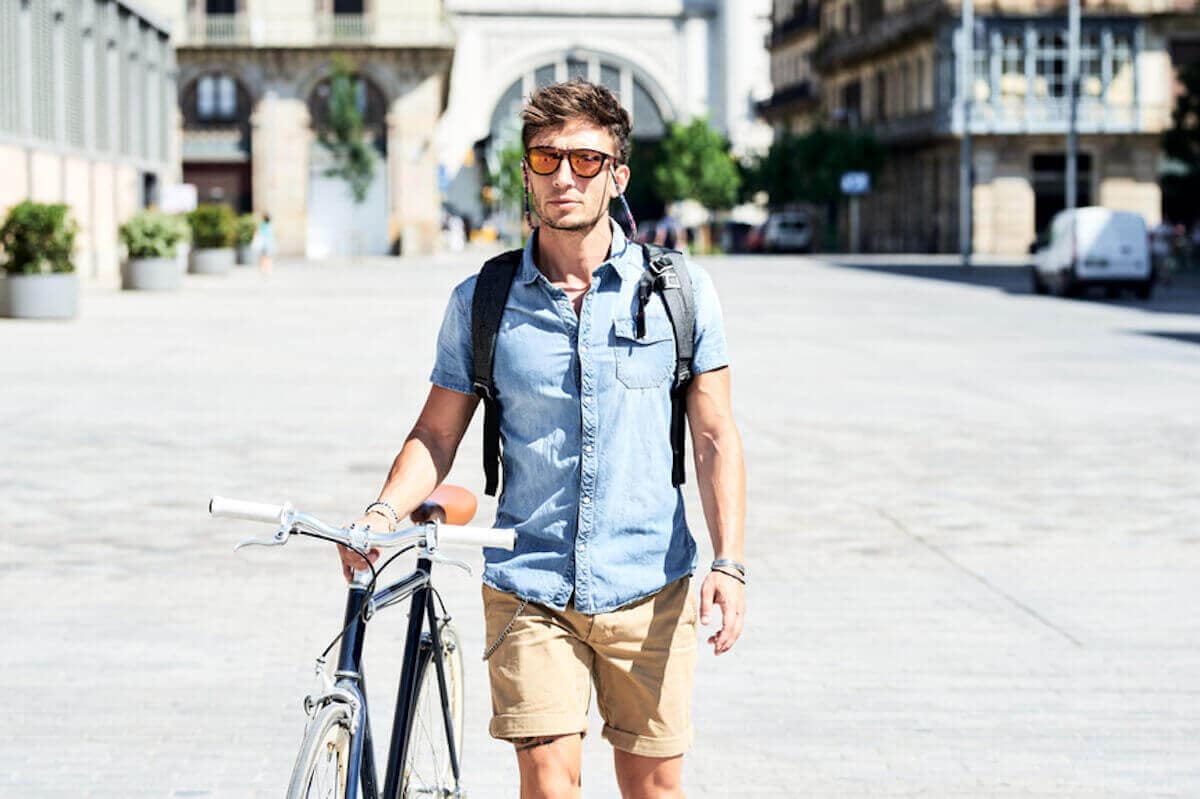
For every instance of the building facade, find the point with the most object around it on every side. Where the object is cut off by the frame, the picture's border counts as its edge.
(254, 90)
(667, 60)
(893, 66)
(87, 100)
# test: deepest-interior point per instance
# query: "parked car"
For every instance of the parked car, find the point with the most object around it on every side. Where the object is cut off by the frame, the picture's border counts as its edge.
(1094, 246)
(788, 231)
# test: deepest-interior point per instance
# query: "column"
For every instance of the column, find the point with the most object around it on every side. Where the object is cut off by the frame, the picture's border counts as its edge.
(280, 140)
(414, 203)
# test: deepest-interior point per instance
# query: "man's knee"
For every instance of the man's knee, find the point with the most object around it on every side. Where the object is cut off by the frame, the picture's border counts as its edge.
(642, 777)
(549, 765)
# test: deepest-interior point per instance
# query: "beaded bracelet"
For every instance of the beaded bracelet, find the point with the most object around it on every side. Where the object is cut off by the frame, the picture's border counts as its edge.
(390, 511)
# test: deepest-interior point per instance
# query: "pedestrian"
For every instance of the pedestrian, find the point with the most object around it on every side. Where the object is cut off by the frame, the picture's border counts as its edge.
(266, 245)
(1161, 236)
(597, 593)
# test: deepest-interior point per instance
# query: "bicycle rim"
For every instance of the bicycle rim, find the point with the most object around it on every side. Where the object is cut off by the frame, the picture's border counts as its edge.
(427, 771)
(320, 771)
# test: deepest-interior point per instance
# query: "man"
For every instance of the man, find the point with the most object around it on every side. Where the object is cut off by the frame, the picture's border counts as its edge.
(597, 589)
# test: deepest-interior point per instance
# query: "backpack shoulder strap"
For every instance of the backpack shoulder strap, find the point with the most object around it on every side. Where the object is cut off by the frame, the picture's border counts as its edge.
(487, 307)
(667, 273)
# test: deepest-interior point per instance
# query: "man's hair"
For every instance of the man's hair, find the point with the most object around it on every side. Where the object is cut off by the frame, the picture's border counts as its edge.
(551, 106)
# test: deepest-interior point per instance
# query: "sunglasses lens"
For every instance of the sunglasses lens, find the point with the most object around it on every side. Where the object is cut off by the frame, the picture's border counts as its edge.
(587, 163)
(543, 162)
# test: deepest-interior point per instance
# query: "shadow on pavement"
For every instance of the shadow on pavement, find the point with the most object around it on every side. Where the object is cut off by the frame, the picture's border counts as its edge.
(1187, 338)
(1180, 296)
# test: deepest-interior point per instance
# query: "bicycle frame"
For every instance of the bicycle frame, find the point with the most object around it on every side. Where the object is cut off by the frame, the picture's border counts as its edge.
(349, 679)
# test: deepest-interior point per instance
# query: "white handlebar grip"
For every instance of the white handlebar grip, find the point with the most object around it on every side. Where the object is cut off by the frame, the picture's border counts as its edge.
(251, 511)
(450, 535)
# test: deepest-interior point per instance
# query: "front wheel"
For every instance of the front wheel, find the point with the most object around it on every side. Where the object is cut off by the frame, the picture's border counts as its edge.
(427, 771)
(321, 767)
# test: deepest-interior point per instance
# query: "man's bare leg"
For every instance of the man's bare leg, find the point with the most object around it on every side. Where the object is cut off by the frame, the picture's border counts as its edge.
(643, 777)
(549, 766)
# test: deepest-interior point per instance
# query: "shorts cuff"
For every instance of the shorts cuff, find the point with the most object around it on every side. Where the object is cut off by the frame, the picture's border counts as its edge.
(508, 727)
(645, 745)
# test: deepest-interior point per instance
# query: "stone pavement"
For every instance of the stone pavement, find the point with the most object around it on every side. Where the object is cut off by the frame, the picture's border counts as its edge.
(973, 540)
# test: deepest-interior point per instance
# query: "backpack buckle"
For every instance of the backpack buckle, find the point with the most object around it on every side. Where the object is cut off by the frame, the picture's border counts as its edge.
(483, 389)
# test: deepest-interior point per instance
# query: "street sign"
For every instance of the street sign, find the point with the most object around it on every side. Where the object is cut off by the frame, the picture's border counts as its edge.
(856, 182)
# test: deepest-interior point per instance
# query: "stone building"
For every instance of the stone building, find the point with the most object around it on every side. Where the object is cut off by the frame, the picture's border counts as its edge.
(87, 102)
(892, 66)
(668, 60)
(253, 89)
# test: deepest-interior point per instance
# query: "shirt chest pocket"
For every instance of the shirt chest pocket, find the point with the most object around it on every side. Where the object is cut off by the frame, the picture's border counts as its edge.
(645, 362)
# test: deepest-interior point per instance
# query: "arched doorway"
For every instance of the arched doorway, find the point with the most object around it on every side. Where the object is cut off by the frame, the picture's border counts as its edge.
(636, 93)
(337, 223)
(216, 139)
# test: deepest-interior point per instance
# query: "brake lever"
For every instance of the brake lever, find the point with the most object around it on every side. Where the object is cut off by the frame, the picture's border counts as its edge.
(281, 535)
(430, 550)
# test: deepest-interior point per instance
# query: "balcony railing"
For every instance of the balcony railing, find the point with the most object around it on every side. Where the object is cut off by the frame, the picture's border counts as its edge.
(794, 95)
(344, 28)
(807, 18)
(219, 29)
(841, 48)
(1044, 115)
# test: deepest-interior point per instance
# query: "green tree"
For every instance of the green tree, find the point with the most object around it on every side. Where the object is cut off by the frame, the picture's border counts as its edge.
(808, 168)
(1181, 143)
(696, 165)
(342, 136)
(504, 174)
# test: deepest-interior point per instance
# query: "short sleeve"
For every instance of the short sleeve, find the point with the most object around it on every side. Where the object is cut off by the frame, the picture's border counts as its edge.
(708, 352)
(453, 368)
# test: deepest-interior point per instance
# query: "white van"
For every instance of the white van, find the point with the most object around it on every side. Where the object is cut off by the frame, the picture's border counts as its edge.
(1095, 247)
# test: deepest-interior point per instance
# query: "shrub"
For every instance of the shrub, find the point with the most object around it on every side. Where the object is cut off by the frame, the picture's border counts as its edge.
(149, 234)
(38, 238)
(244, 230)
(212, 226)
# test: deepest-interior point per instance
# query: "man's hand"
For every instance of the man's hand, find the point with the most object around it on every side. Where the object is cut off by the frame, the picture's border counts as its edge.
(730, 595)
(353, 561)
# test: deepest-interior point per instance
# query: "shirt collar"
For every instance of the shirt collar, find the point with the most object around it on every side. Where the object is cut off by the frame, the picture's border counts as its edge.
(625, 256)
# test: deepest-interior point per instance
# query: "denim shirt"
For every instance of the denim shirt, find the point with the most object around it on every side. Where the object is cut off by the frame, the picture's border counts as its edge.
(585, 412)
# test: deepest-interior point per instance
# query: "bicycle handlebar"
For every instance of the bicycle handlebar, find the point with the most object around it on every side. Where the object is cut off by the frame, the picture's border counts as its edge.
(291, 520)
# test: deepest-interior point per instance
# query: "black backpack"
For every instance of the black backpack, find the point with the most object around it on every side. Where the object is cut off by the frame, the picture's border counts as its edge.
(666, 273)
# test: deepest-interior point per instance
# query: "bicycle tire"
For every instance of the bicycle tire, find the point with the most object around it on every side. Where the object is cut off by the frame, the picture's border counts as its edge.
(320, 771)
(427, 769)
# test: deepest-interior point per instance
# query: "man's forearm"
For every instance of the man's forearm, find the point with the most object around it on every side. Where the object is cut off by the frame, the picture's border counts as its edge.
(721, 474)
(423, 462)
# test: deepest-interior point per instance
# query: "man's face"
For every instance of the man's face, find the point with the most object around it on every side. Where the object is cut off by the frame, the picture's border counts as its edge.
(566, 201)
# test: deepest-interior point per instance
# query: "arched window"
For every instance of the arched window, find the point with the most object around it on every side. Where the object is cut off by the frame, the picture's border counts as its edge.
(649, 121)
(216, 98)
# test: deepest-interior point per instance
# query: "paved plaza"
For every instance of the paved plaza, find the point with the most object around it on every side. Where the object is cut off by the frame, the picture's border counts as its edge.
(973, 536)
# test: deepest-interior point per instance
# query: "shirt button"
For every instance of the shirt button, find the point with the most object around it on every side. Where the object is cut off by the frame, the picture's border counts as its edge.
(586, 500)
(588, 448)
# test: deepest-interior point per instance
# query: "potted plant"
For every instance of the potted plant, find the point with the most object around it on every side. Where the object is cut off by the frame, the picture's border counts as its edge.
(244, 230)
(150, 240)
(38, 240)
(212, 239)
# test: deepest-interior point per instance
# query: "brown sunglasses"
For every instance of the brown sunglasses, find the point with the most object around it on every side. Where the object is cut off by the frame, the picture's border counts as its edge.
(584, 163)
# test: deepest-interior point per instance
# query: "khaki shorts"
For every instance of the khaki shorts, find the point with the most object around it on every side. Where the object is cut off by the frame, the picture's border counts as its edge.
(641, 658)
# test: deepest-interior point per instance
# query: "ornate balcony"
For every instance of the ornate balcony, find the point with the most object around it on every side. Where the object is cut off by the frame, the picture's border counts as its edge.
(218, 29)
(880, 34)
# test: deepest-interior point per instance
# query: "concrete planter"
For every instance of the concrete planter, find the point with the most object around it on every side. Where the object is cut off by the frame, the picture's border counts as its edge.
(151, 274)
(54, 296)
(212, 261)
(245, 255)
